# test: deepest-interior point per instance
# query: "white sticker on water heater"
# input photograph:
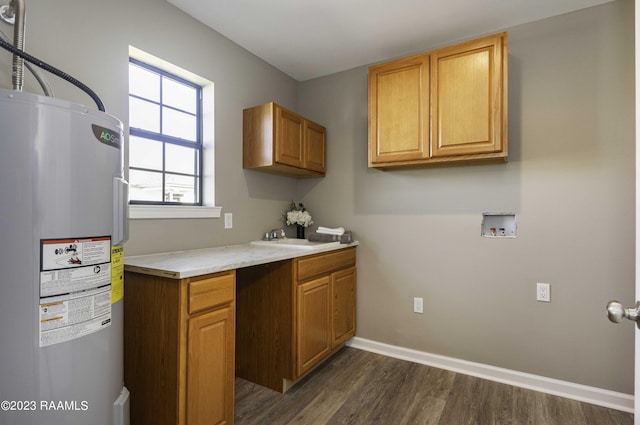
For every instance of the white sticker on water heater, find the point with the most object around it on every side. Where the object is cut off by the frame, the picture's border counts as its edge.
(69, 317)
(75, 288)
(60, 254)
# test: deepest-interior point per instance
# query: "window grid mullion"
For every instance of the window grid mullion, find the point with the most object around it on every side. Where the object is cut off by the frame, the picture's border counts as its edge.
(161, 109)
(176, 173)
(196, 186)
(161, 104)
(166, 139)
(200, 135)
(164, 145)
(164, 171)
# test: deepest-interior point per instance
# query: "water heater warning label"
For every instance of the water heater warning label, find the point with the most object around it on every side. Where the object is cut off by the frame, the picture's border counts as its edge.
(75, 288)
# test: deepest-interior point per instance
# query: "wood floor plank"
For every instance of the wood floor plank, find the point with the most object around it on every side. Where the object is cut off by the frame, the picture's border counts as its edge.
(438, 383)
(428, 390)
(597, 415)
(366, 405)
(426, 411)
(496, 404)
(463, 403)
(396, 394)
(331, 376)
(563, 411)
(336, 390)
(356, 387)
(528, 408)
(251, 398)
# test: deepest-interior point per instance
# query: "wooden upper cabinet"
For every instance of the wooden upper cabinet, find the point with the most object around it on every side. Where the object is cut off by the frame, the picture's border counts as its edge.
(441, 106)
(315, 144)
(399, 110)
(468, 89)
(281, 141)
(289, 141)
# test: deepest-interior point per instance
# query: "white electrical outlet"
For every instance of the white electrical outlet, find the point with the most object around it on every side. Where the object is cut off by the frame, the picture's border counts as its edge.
(228, 220)
(543, 292)
(417, 305)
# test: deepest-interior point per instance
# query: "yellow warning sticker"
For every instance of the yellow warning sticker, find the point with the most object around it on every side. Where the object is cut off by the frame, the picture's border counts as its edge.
(117, 273)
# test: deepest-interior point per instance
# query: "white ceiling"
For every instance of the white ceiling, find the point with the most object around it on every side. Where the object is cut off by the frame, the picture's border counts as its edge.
(312, 38)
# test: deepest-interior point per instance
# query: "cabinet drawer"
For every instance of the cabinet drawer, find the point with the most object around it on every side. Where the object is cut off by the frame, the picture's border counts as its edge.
(209, 292)
(321, 264)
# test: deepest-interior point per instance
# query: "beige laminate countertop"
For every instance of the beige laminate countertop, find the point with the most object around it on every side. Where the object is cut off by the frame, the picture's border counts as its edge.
(183, 264)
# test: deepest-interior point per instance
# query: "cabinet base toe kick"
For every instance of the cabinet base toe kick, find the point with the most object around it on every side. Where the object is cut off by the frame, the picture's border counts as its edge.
(287, 384)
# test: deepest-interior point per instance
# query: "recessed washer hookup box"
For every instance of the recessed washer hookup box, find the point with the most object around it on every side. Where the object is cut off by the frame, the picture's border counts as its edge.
(498, 225)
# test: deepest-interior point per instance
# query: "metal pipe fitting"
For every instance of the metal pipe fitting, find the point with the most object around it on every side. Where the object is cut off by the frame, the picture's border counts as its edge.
(17, 74)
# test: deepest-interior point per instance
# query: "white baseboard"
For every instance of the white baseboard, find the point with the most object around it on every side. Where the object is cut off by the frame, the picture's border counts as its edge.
(584, 393)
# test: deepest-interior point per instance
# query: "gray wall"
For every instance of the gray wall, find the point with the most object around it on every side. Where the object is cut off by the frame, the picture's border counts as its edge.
(569, 179)
(90, 39)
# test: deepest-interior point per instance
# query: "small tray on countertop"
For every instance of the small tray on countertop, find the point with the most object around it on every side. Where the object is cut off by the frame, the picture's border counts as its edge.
(322, 237)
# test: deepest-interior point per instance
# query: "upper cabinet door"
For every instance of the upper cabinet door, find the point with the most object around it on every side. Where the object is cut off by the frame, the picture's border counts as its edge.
(289, 138)
(314, 146)
(468, 99)
(399, 110)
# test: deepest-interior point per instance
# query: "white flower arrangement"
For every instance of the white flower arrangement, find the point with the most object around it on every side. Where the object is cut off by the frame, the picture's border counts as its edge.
(298, 215)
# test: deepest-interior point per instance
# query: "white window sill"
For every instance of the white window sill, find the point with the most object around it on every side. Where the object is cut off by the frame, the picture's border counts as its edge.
(137, 212)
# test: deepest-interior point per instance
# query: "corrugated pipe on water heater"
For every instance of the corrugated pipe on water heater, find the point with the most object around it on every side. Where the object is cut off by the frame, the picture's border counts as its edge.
(8, 15)
(19, 56)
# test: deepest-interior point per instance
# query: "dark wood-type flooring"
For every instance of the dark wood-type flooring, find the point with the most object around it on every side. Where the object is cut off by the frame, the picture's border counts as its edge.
(359, 387)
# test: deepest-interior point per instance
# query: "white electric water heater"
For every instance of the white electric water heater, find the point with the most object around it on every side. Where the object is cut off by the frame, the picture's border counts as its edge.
(62, 227)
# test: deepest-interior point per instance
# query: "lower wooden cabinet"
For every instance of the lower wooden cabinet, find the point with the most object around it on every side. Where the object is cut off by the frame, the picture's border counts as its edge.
(210, 371)
(343, 306)
(326, 317)
(186, 339)
(179, 348)
(294, 314)
(313, 301)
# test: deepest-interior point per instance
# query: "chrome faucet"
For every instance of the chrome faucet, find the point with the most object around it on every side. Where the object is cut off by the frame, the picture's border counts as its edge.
(274, 234)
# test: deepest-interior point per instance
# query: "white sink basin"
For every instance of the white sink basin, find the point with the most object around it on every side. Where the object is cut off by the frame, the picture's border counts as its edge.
(296, 244)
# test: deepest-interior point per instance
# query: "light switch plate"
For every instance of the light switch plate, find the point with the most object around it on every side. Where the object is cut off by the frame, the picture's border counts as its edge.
(418, 305)
(228, 220)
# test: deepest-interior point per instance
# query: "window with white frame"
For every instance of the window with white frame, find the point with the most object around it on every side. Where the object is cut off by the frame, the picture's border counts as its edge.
(165, 137)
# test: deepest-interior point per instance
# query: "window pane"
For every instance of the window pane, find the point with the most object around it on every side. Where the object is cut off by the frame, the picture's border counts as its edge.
(144, 115)
(179, 95)
(180, 159)
(178, 124)
(145, 153)
(179, 189)
(163, 108)
(144, 83)
(145, 186)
